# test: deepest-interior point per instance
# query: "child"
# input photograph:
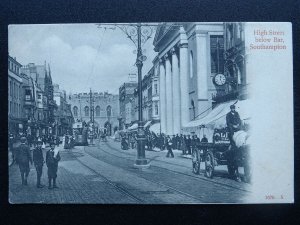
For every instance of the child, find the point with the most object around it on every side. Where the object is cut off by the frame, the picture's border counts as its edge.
(52, 158)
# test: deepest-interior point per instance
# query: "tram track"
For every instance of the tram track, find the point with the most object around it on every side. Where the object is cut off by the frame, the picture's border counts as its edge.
(111, 183)
(127, 193)
(171, 171)
(123, 190)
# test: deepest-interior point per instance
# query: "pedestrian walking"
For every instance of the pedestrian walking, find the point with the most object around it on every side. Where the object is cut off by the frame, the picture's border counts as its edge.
(188, 144)
(52, 159)
(169, 147)
(11, 141)
(23, 157)
(38, 160)
(174, 141)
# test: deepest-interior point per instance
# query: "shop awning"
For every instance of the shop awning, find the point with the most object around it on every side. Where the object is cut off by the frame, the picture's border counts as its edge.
(155, 128)
(216, 119)
(133, 127)
(147, 124)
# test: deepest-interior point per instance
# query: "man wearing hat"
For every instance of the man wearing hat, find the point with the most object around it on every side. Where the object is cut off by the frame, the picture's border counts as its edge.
(38, 161)
(233, 123)
(52, 158)
(23, 157)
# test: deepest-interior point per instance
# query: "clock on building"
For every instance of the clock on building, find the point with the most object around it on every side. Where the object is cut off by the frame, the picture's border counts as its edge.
(219, 79)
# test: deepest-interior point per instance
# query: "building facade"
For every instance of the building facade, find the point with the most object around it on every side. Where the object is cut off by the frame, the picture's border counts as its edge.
(16, 116)
(106, 110)
(39, 98)
(189, 57)
(150, 93)
(235, 71)
(126, 97)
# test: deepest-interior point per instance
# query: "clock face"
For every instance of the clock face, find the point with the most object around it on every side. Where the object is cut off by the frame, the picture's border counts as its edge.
(220, 79)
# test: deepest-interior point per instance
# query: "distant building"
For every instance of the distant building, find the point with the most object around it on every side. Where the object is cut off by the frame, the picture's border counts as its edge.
(126, 95)
(106, 110)
(63, 113)
(150, 93)
(16, 116)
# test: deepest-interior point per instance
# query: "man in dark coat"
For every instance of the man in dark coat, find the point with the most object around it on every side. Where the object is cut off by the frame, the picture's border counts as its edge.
(23, 157)
(174, 142)
(52, 164)
(169, 147)
(38, 161)
(204, 139)
(233, 123)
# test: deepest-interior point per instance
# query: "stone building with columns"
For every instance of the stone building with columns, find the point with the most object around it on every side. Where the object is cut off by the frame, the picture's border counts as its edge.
(189, 56)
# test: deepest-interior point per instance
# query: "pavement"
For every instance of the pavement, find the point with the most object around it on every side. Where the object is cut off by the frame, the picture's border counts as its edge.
(105, 174)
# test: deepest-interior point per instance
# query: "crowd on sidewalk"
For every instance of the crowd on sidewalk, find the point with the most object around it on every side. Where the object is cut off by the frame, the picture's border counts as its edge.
(185, 143)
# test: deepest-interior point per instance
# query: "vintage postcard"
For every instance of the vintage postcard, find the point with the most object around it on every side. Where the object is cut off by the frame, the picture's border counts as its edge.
(151, 113)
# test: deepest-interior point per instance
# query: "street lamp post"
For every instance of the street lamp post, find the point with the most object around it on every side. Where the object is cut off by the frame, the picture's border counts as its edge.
(141, 159)
(138, 34)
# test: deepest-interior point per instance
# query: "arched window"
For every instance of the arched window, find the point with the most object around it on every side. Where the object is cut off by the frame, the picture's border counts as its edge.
(86, 111)
(191, 64)
(97, 110)
(75, 111)
(108, 110)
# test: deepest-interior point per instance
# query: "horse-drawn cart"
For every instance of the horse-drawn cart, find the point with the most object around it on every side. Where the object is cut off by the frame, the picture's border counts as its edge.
(221, 152)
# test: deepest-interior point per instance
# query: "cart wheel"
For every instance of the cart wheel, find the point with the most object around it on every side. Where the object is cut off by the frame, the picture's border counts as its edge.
(196, 162)
(209, 165)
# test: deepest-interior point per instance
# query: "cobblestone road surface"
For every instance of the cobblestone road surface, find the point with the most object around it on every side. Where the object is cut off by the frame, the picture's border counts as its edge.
(105, 174)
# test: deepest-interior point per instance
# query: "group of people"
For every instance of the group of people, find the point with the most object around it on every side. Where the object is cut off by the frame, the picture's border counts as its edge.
(24, 157)
(186, 143)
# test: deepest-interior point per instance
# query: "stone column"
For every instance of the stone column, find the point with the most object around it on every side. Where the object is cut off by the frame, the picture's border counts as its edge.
(162, 96)
(169, 103)
(176, 93)
(184, 85)
(202, 71)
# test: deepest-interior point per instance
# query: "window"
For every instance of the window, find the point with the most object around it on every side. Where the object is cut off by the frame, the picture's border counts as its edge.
(108, 110)
(217, 52)
(10, 88)
(75, 111)
(39, 96)
(156, 108)
(155, 88)
(27, 95)
(191, 64)
(97, 110)
(86, 111)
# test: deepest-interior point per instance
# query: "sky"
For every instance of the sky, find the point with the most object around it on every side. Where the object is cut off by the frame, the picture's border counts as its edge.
(81, 56)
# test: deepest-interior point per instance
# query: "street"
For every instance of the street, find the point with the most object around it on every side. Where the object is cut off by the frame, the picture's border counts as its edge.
(105, 174)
